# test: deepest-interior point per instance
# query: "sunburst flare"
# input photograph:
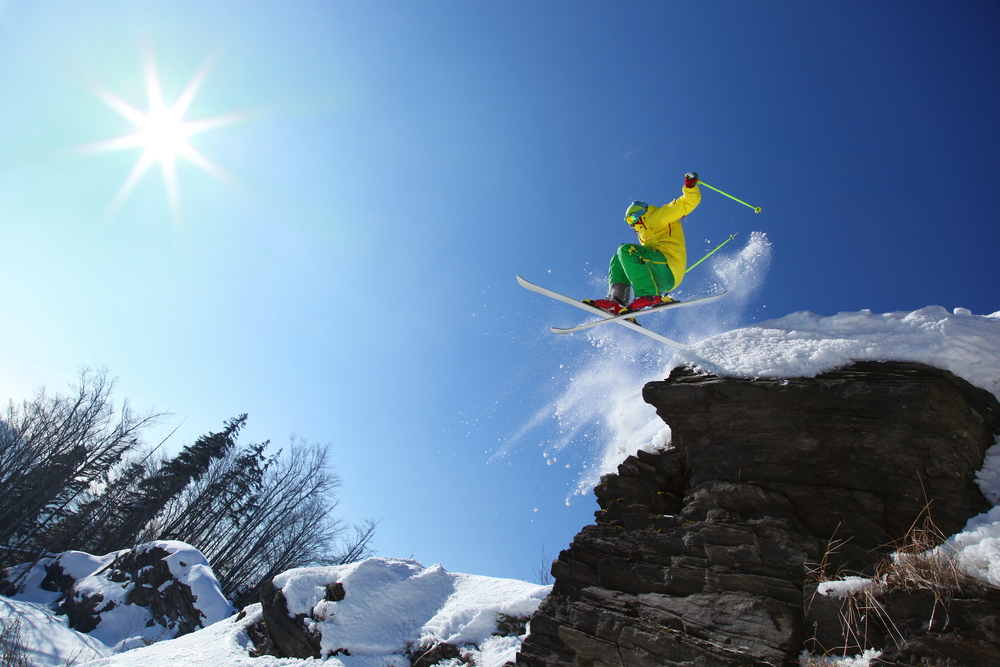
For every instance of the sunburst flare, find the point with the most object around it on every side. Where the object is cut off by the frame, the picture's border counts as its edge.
(161, 133)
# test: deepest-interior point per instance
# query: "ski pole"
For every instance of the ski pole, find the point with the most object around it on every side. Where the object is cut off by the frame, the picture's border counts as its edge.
(756, 209)
(731, 237)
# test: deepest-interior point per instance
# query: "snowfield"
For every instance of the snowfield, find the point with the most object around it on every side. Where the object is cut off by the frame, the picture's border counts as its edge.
(406, 604)
(392, 604)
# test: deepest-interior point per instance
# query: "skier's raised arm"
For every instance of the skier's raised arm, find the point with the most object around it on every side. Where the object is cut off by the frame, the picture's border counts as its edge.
(689, 199)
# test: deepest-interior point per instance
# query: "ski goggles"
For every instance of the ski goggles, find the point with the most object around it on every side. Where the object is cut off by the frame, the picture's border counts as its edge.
(633, 217)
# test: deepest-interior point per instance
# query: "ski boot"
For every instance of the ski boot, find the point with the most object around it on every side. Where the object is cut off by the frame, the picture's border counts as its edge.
(643, 302)
(607, 305)
(615, 301)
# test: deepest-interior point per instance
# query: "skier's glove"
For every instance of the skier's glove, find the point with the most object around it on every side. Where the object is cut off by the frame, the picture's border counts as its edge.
(690, 179)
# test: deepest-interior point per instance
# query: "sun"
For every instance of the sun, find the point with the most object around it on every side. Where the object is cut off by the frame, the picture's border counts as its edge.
(164, 134)
(161, 133)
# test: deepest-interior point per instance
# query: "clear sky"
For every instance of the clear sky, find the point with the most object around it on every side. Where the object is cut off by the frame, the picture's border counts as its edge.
(335, 250)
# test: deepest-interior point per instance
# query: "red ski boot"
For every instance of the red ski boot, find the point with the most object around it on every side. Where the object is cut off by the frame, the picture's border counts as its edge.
(643, 302)
(607, 305)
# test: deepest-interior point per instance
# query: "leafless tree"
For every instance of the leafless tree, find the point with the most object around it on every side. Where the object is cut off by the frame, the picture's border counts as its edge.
(53, 450)
(543, 572)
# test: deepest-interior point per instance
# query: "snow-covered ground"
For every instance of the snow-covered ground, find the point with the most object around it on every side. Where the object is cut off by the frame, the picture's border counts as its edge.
(392, 603)
(47, 637)
(122, 626)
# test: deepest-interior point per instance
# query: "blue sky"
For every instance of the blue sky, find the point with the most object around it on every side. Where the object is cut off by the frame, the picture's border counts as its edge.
(346, 273)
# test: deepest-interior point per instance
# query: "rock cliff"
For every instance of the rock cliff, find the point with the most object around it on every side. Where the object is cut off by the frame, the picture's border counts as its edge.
(709, 553)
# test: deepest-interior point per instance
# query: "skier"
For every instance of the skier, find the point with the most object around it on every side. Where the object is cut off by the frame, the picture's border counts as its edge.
(657, 263)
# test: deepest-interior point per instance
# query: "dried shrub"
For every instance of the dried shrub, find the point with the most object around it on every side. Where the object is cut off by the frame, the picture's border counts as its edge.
(916, 563)
(511, 626)
(12, 651)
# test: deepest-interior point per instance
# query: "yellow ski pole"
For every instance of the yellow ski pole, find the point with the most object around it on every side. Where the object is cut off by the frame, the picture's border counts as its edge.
(756, 209)
(731, 237)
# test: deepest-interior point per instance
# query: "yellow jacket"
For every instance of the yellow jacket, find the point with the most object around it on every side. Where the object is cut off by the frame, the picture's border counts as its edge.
(661, 230)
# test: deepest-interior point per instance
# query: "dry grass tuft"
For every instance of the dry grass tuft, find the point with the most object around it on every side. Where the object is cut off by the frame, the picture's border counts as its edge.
(820, 572)
(12, 651)
(916, 563)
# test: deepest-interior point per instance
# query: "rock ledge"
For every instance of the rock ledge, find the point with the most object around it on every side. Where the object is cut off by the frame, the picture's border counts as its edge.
(701, 554)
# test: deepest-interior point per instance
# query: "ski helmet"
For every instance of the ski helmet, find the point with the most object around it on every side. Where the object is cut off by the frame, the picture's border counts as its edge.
(636, 210)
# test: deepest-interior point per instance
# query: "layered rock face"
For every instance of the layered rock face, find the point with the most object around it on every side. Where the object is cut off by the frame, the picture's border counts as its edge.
(701, 555)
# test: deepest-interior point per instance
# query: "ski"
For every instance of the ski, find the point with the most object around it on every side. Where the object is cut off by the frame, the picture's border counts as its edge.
(646, 311)
(624, 321)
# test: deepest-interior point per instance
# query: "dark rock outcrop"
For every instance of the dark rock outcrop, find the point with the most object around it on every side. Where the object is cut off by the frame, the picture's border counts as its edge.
(859, 451)
(701, 555)
(284, 636)
(288, 635)
(434, 654)
(145, 574)
(154, 587)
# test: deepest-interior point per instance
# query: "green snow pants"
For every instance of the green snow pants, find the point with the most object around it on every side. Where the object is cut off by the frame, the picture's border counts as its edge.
(644, 268)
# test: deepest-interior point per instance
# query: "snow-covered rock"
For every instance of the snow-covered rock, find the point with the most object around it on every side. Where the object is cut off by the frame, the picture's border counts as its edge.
(335, 609)
(151, 592)
(805, 344)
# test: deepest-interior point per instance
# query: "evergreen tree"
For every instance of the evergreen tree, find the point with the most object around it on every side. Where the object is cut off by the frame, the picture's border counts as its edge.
(151, 494)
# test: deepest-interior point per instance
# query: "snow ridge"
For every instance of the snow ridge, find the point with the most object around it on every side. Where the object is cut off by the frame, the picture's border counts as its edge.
(805, 344)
